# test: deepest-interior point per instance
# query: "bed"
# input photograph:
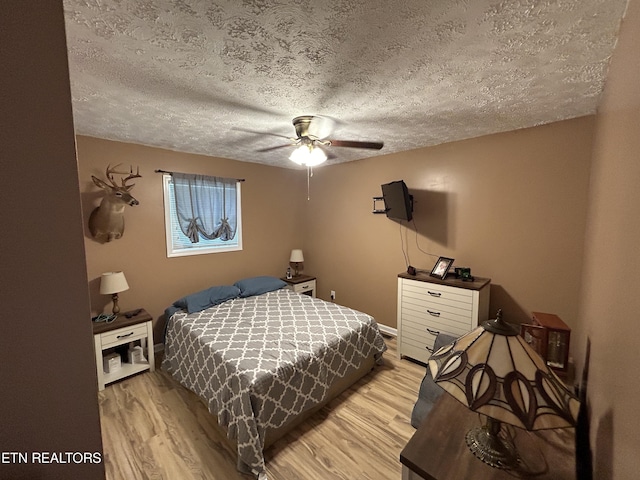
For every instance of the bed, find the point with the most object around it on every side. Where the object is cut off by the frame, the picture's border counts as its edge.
(262, 358)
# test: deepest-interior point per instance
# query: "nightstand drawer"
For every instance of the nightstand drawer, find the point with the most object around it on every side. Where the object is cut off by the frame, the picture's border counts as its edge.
(303, 287)
(304, 284)
(122, 335)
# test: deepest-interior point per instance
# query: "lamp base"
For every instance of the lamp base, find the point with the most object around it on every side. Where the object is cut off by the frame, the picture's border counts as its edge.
(296, 269)
(116, 308)
(494, 450)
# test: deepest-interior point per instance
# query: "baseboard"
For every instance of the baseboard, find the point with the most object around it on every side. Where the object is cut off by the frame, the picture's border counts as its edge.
(390, 331)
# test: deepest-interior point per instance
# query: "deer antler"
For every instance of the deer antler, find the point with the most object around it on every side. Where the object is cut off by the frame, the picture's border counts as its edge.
(111, 171)
(131, 175)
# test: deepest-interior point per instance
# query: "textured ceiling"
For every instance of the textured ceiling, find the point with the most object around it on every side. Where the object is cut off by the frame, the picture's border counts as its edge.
(187, 75)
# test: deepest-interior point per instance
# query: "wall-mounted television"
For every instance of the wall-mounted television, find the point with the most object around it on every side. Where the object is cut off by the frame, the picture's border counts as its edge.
(398, 204)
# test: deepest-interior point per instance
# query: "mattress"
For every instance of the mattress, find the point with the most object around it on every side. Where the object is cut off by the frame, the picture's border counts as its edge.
(260, 362)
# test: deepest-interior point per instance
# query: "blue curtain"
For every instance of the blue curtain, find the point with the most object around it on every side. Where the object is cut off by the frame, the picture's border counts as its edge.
(206, 206)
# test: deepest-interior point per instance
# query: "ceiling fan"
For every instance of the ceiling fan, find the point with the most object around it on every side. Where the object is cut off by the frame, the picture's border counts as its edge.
(312, 138)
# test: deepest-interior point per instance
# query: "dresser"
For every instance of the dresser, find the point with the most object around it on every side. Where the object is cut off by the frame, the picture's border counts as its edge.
(429, 305)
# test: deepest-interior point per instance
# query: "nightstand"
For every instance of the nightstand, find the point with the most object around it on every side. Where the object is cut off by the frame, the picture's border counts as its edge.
(137, 330)
(305, 284)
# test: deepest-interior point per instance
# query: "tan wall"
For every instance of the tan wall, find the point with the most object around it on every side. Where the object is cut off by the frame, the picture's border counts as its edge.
(271, 219)
(511, 206)
(49, 398)
(610, 301)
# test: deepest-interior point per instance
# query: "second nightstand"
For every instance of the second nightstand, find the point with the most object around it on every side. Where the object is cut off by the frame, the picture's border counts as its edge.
(305, 284)
(107, 336)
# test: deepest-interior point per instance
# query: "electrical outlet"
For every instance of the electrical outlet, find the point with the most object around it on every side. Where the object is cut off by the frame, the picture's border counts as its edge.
(333, 294)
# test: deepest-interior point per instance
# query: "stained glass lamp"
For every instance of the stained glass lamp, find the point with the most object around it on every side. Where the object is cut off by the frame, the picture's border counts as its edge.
(494, 372)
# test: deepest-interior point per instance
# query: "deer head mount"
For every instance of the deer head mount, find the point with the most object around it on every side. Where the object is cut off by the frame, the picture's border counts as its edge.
(106, 222)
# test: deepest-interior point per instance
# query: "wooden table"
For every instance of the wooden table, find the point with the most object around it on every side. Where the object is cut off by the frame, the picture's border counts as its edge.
(438, 451)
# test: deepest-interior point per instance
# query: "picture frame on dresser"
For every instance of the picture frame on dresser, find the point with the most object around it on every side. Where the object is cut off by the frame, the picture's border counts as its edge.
(442, 267)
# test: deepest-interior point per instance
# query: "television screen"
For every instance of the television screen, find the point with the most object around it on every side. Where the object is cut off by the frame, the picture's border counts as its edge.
(397, 201)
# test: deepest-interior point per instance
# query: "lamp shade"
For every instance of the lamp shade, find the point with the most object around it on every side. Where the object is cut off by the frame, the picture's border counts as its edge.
(308, 155)
(113, 282)
(296, 256)
(494, 372)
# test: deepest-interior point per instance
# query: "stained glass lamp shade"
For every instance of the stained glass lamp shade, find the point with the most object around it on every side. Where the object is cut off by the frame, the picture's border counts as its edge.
(494, 372)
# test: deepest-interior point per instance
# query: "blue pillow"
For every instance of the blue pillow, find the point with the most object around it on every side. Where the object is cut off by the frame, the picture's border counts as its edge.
(258, 285)
(169, 311)
(207, 298)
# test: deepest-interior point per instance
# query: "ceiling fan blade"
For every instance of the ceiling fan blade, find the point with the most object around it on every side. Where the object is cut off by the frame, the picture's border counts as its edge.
(276, 147)
(260, 133)
(354, 144)
(330, 155)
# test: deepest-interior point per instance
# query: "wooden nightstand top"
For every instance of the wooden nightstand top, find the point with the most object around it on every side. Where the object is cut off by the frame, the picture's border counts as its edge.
(298, 279)
(121, 321)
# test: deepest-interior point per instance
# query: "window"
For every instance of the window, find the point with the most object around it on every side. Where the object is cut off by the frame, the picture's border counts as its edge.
(206, 218)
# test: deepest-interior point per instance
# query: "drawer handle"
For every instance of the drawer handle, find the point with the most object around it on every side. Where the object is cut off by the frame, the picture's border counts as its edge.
(435, 314)
(433, 332)
(305, 286)
(434, 294)
(125, 336)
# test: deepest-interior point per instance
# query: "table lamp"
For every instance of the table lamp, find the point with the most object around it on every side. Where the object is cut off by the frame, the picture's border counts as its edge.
(112, 283)
(296, 259)
(494, 372)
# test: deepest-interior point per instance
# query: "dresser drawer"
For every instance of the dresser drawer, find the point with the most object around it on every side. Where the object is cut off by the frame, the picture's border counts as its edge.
(417, 352)
(434, 324)
(418, 335)
(436, 294)
(427, 309)
(123, 335)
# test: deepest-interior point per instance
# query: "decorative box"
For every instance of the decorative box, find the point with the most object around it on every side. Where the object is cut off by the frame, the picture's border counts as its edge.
(112, 363)
(549, 336)
(136, 355)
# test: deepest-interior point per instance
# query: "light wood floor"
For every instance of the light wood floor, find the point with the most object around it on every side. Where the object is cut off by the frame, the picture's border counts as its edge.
(153, 428)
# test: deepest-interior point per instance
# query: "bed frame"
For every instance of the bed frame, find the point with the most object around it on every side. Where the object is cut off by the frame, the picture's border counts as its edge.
(274, 434)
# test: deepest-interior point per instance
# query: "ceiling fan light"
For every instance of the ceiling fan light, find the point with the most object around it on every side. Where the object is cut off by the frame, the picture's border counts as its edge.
(316, 157)
(307, 155)
(299, 155)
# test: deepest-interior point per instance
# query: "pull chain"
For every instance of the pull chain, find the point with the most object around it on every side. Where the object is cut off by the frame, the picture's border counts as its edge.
(309, 175)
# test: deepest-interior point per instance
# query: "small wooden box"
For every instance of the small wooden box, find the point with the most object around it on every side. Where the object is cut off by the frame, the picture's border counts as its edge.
(549, 336)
